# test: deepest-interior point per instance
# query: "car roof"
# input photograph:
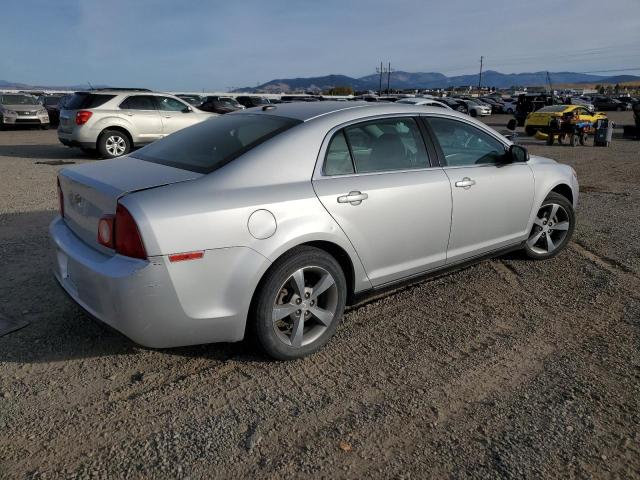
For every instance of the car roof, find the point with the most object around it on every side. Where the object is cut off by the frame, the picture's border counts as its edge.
(305, 112)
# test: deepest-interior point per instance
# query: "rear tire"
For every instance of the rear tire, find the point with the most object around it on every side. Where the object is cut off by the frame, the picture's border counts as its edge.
(552, 228)
(299, 303)
(530, 131)
(113, 143)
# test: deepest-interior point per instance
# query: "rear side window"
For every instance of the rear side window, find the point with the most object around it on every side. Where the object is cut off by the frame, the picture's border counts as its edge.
(213, 143)
(139, 102)
(338, 160)
(170, 104)
(87, 100)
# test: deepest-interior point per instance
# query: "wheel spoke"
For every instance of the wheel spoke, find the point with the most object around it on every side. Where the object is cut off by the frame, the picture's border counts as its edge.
(322, 286)
(550, 245)
(298, 282)
(532, 240)
(324, 316)
(554, 210)
(298, 332)
(561, 226)
(538, 221)
(281, 311)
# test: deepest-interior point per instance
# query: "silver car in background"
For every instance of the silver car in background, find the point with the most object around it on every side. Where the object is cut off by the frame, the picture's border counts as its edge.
(113, 122)
(270, 220)
(22, 109)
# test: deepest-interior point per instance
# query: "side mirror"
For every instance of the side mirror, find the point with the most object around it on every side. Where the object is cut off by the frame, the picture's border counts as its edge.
(512, 125)
(187, 110)
(518, 153)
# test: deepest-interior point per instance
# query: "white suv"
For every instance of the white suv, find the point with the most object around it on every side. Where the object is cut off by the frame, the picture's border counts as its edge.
(115, 121)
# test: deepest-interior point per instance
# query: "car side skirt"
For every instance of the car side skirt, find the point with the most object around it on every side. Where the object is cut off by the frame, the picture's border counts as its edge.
(367, 296)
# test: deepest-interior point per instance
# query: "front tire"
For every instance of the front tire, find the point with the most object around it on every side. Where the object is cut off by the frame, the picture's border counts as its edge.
(530, 131)
(113, 143)
(299, 303)
(473, 113)
(552, 228)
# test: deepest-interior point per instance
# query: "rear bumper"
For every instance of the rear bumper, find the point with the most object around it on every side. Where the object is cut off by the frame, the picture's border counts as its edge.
(154, 302)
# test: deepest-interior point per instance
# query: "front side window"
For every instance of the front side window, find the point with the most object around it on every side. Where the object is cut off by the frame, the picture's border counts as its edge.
(465, 145)
(384, 145)
(139, 102)
(170, 104)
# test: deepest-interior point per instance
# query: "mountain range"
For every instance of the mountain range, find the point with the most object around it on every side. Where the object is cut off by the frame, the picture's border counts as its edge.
(420, 80)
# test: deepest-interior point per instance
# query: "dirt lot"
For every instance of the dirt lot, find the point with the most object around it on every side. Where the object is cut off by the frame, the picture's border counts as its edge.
(507, 369)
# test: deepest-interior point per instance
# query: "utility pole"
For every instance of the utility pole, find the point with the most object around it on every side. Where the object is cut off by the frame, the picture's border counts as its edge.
(389, 70)
(480, 76)
(381, 72)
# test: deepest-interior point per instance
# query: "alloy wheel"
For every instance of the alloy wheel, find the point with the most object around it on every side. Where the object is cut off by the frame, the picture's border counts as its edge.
(115, 145)
(305, 306)
(549, 230)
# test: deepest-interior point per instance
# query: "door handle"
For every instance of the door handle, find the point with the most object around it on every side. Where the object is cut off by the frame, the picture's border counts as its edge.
(130, 114)
(168, 116)
(354, 197)
(466, 183)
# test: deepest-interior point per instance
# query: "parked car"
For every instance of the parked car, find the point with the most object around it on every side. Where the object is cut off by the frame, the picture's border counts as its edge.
(608, 104)
(252, 101)
(115, 121)
(52, 104)
(191, 99)
(264, 222)
(510, 105)
(220, 105)
(22, 109)
(496, 105)
(477, 109)
(539, 120)
(455, 104)
(427, 102)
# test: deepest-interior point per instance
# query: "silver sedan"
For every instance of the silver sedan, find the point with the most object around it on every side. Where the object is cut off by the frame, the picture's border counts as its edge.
(270, 220)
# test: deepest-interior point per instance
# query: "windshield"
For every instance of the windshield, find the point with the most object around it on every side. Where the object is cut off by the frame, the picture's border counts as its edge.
(18, 100)
(554, 108)
(213, 143)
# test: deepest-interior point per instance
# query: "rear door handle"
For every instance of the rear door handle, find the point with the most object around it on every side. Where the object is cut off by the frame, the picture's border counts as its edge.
(354, 197)
(466, 183)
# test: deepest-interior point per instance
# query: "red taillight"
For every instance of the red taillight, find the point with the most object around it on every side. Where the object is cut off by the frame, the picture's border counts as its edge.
(127, 238)
(60, 197)
(105, 231)
(83, 117)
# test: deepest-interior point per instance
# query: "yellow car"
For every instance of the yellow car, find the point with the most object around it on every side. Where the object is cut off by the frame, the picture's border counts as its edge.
(539, 120)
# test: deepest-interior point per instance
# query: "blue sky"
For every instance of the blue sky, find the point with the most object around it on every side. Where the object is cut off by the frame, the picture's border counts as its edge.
(197, 44)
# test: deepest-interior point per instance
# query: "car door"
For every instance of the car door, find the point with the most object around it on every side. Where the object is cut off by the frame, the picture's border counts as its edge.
(175, 115)
(492, 200)
(141, 112)
(377, 182)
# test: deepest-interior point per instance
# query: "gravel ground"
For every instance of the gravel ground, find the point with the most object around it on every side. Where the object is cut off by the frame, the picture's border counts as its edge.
(507, 369)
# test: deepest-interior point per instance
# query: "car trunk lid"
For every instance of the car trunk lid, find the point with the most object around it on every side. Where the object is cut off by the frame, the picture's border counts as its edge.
(92, 190)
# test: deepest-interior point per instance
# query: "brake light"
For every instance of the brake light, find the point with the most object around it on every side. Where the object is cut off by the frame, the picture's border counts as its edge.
(83, 117)
(60, 197)
(127, 239)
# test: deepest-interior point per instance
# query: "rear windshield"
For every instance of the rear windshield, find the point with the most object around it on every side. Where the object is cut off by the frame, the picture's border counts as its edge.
(213, 143)
(87, 100)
